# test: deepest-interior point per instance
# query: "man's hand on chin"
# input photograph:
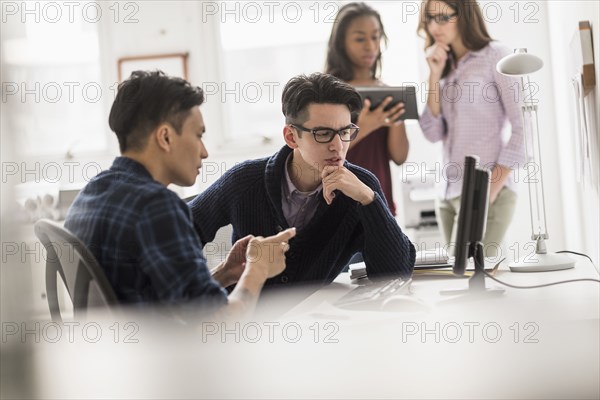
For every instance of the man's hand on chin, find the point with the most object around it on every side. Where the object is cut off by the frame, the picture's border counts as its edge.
(340, 178)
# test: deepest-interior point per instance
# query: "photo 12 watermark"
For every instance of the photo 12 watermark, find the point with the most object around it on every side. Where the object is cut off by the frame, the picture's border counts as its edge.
(70, 332)
(472, 92)
(49, 172)
(240, 92)
(270, 332)
(432, 253)
(526, 12)
(453, 172)
(269, 11)
(469, 332)
(54, 12)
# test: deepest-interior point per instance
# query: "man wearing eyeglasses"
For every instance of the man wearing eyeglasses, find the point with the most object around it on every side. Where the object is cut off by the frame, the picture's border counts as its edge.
(338, 208)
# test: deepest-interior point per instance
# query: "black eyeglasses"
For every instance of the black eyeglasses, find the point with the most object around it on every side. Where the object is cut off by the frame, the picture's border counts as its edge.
(440, 19)
(326, 135)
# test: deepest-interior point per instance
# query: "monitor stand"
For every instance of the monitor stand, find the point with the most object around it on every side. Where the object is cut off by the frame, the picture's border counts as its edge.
(477, 281)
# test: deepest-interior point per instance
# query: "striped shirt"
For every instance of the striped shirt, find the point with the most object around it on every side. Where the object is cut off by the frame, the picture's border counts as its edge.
(142, 235)
(480, 115)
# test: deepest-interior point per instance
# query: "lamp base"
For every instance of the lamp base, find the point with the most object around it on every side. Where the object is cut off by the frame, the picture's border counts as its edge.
(542, 262)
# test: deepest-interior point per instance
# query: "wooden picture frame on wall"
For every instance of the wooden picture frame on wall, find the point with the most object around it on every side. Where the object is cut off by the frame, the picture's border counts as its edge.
(173, 64)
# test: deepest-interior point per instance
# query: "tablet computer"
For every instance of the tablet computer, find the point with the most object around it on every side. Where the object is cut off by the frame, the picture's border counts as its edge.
(405, 94)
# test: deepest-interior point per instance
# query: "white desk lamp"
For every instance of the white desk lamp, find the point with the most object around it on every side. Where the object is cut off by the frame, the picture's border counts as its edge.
(520, 63)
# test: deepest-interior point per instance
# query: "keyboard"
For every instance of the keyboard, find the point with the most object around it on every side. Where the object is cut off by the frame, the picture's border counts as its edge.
(372, 295)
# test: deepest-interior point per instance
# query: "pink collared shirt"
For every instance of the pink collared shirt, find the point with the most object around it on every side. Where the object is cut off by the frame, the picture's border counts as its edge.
(298, 207)
(480, 115)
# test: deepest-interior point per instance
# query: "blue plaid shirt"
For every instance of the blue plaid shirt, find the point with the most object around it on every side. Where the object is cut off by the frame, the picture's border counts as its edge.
(142, 235)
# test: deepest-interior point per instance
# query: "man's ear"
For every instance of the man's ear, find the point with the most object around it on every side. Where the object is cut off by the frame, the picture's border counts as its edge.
(288, 136)
(163, 136)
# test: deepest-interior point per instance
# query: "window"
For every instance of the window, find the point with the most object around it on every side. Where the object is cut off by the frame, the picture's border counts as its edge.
(52, 91)
(262, 48)
(256, 68)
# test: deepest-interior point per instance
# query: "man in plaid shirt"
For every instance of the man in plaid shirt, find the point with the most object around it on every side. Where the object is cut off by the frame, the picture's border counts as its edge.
(140, 232)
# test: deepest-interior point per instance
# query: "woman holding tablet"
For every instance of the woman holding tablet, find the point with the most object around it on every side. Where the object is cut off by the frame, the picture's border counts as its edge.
(354, 55)
(472, 109)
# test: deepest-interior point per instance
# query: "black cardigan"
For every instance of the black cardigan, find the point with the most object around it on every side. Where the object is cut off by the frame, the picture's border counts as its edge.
(248, 196)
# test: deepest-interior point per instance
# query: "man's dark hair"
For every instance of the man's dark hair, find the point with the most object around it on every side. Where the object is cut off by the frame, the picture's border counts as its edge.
(146, 100)
(318, 88)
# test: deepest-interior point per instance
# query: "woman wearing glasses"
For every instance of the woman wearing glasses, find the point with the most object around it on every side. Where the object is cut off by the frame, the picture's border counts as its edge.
(472, 109)
(354, 55)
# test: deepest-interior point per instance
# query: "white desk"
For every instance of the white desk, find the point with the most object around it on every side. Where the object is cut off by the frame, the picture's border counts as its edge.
(349, 354)
(572, 301)
(539, 343)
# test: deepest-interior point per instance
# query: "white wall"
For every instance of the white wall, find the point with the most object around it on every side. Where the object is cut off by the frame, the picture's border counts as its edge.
(572, 207)
(581, 201)
(528, 28)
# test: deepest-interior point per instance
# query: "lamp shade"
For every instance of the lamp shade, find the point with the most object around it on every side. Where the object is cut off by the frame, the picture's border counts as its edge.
(519, 63)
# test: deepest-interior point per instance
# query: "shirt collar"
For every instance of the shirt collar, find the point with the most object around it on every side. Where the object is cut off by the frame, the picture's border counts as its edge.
(130, 166)
(473, 53)
(289, 187)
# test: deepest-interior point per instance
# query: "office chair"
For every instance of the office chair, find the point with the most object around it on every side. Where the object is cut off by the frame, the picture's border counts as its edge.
(80, 272)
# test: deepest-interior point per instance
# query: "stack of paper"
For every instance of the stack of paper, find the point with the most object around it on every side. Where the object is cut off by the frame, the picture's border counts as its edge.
(433, 258)
(358, 270)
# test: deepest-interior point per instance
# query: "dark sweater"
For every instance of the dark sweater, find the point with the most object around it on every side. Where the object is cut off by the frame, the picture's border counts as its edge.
(248, 196)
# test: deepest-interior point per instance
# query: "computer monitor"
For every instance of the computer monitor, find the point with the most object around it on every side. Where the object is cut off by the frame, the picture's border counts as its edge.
(472, 218)
(472, 214)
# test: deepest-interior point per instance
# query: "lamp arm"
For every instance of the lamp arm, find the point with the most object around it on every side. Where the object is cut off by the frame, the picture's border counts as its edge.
(526, 114)
(532, 111)
(545, 234)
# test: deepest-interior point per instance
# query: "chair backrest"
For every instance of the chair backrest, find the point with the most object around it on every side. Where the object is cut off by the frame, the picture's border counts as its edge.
(80, 272)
